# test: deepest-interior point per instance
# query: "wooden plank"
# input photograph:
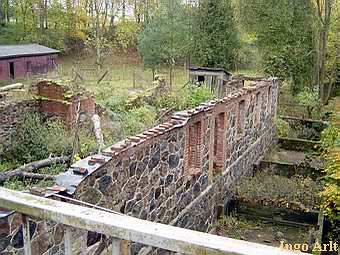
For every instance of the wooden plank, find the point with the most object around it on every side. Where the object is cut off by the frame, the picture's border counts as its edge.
(116, 246)
(68, 241)
(26, 235)
(132, 229)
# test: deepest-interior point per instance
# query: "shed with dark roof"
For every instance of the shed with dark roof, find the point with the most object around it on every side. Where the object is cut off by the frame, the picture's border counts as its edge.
(18, 61)
(215, 78)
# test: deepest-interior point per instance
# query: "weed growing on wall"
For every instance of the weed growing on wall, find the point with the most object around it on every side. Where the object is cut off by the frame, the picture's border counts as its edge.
(188, 97)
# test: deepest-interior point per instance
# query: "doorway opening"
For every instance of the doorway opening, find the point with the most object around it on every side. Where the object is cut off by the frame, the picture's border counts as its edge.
(11, 71)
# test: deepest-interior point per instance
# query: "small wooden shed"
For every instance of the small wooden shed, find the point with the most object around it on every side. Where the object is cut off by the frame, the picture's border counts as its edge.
(215, 78)
(17, 61)
(209, 76)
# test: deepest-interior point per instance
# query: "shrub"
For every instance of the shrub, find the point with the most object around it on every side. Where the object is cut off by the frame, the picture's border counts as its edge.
(310, 99)
(330, 149)
(282, 127)
(186, 98)
(36, 140)
(138, 120)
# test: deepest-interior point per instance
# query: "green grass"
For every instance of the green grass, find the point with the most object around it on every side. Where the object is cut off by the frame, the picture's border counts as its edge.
(126, 75)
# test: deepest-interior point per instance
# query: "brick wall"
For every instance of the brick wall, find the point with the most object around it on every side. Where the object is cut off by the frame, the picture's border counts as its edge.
(54, 102)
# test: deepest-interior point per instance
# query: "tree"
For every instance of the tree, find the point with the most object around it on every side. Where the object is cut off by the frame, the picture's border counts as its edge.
(215, 36)
(165, 39)
(324, 15)
(332, 69)
(285, 36)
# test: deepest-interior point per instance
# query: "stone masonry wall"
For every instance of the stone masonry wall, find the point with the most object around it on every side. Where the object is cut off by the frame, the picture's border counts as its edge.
(180, 172)
(46, 237)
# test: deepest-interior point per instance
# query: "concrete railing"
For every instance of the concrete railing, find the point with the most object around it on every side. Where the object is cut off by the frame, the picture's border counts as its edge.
(122, 227)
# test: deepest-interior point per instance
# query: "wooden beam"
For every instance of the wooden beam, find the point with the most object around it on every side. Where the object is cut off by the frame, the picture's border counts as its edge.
(116, 246)
(11, 87)
(68, 241)
(132, 229)
(26, 235)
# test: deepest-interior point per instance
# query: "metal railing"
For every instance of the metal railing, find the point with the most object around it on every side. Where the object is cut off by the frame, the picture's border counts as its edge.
(122, 227)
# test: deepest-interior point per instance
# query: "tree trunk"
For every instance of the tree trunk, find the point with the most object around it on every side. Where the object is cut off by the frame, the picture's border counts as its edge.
(171, 71)
(7, 11)
(45, 177)
(32, 167)
(11, 87)
(324, 13)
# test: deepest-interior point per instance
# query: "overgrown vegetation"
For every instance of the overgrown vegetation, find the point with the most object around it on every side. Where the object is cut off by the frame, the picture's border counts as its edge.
(260, 231)
(37, 138)
(296, 192)
(188, 97)
(331, 193)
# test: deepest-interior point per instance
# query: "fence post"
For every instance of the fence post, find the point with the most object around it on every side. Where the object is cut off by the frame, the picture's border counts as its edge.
(26, 235)
(134, 78)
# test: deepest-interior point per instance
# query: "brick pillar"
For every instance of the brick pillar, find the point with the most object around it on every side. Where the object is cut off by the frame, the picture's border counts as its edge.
(194, 148)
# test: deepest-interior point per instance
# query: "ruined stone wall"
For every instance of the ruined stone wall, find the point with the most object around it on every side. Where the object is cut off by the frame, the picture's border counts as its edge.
(46, 237)
(180, 171)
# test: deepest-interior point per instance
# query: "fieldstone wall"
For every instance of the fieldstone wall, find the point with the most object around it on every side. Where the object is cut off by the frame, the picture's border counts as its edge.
(180, 172)
(177, 173)
(46, 237)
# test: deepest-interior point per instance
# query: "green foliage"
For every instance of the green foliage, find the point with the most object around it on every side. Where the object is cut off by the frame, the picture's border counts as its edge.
(114, 104)
(216, 39)
(330, 146)
(295, 192)
(282, 127)
(54, 169)
(331, 192)
(330, 138)
(6, 165)
(36, 139)
(309, 98)
(285, 36)
(138, 120)
(22, 185)
(126, 35)
(125, 121)
(88, 143)
(165, 39)
(186, 98)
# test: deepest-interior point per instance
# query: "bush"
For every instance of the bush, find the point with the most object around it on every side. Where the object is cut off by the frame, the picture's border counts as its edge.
(282, 127)
(330, 149)
(310, 99)
(138, 120)
(36, 140)
(186, 98)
